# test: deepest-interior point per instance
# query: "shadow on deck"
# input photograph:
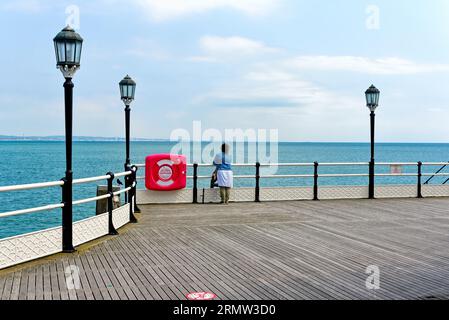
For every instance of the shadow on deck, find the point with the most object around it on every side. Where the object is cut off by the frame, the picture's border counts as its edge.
(277, 250)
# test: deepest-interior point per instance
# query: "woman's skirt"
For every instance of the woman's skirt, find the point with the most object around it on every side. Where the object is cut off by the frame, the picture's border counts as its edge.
(225, 178)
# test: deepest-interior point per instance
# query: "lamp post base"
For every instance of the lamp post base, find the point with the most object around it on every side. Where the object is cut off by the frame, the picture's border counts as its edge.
(133, 219)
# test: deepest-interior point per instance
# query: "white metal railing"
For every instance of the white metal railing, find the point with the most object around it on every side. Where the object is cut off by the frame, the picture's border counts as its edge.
(61, 183)
(32, 186)
(405, 171)
(87, 200)
(26, 247)
(89, 180)
(31, 210)
(318, 175)
(200, 177)
(324, 164)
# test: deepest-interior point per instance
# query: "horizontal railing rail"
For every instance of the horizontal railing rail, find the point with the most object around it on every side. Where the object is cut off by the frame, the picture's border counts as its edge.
(31, 210)
(197, 177)
(60, 183)
(316, 174)
(90, 180)
(31, 186)
(330, 164)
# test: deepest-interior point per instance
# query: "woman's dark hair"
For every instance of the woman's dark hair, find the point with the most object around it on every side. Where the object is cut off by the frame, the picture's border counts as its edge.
(224, 148)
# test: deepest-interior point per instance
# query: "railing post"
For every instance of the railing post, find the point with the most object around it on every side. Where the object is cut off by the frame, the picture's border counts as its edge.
(111, 228)
(136, 208)
(128, 183)
(419, 179)
(371, 179)
(257, 191)
(315, 181)
(131, 193)
(195, 183)
(67, 223)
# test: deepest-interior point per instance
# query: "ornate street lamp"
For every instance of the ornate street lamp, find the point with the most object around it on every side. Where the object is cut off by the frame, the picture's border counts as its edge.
(372, 102)
(127, 92)
(68, 46)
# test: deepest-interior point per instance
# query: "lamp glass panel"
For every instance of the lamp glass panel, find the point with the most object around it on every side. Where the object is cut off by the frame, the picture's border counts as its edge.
(56, 53)
(70, 54)
(131, 91)
(78, 46)
(61, 51)
(376, 99)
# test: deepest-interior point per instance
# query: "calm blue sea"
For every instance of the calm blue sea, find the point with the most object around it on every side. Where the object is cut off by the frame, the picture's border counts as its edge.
(28, 162)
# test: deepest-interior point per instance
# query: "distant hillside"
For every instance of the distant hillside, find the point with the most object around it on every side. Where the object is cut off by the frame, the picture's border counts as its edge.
(76, 138)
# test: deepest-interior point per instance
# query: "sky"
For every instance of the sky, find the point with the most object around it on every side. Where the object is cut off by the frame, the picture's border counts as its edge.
(300, 67)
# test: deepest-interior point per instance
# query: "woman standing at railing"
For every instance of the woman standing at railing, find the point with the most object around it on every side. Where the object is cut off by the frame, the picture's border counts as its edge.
(225, 176)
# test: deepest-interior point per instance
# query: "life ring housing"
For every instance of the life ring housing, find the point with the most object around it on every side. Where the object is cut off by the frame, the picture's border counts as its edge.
(165, 172)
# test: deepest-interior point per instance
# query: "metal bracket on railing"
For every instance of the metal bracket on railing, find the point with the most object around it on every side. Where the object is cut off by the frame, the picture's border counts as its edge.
(111, 228)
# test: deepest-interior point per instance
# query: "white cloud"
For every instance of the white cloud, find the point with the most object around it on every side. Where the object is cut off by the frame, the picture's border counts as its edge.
(274, 88)
(216, 49)
(147, 49)
(234, 45)
(381, 66)
(202, 59)
(162, 10)
(279, 99)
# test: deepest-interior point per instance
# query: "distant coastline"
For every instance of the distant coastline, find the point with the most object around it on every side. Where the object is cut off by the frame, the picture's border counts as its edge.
(13, 138)
(75, 138)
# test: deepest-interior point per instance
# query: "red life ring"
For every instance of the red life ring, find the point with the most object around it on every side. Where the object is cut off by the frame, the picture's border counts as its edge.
(165, 172)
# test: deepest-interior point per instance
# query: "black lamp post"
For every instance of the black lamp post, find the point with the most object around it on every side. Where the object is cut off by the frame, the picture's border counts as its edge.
(372, 102)
(68, 46)
(127, 92)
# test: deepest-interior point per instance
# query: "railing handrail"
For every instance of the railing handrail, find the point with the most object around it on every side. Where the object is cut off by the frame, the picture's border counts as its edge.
(31, 210)
(324, 164)
(141, 165)
(30, 186)
(396, 163)
(61, 183)
(279, 176)
(93, 179)
(435, 163)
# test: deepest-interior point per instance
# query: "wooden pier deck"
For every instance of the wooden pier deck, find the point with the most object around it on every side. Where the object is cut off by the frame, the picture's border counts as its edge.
(277, 250)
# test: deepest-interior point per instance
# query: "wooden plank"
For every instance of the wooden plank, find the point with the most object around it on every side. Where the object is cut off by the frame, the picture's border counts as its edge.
(88, 273)
(16, 285)
(47, 282)
(8, 286)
